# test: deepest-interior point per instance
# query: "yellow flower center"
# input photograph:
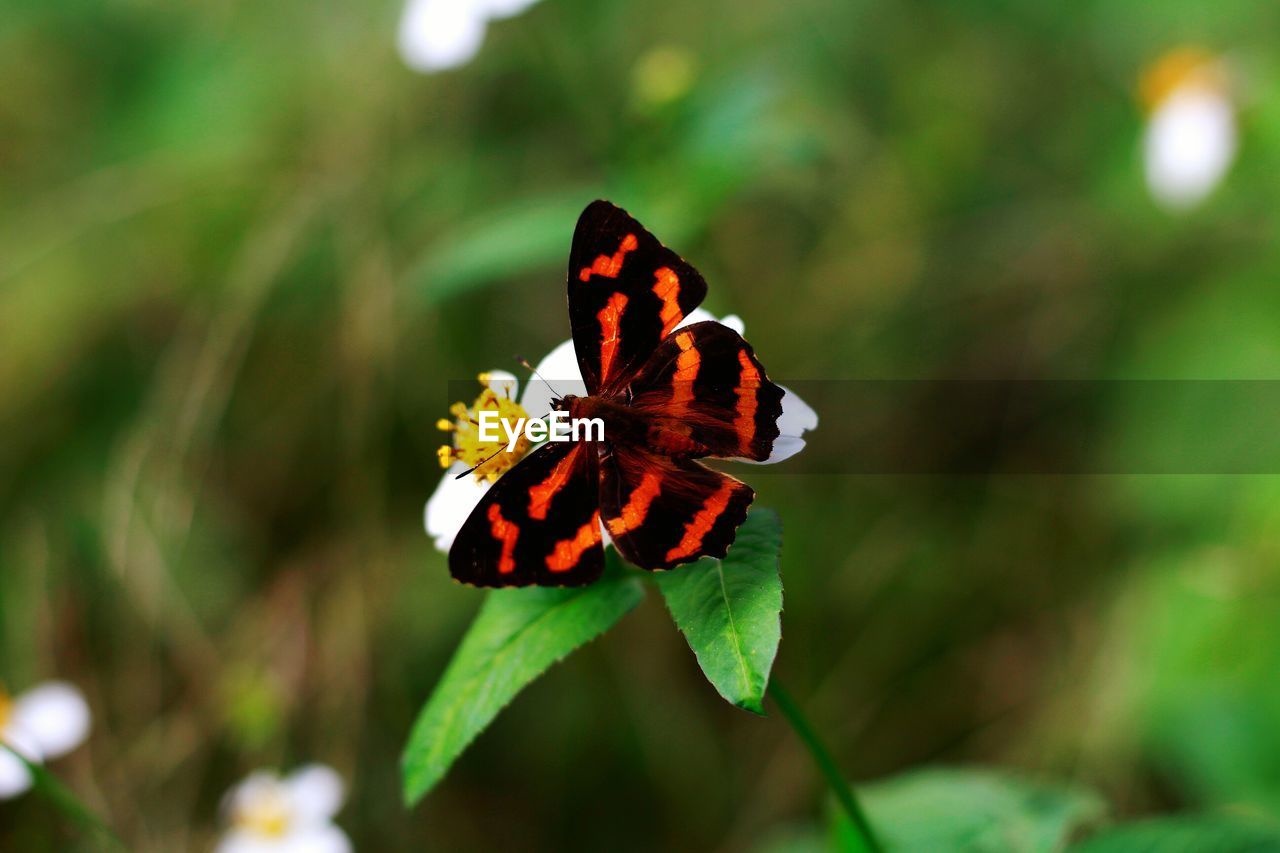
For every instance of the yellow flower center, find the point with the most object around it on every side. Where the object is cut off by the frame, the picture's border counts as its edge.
(491, 459)
(1183, 67)
(6, 708)
(267, 815)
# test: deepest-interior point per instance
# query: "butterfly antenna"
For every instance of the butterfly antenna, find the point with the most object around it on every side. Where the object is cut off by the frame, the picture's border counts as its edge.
(491, 456)
(473, 468)
(524, 362)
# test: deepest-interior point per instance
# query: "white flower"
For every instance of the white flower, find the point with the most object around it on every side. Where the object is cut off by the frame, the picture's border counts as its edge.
(456, 496)
(268, 814)
(436, 35)
(454, 499)
(1190, 139)
(42, 724)
(507, 8)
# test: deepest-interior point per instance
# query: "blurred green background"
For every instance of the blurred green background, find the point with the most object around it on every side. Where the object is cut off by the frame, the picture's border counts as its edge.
(243, 249)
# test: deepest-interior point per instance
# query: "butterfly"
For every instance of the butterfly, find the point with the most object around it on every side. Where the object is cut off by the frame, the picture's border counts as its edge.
(667, 396)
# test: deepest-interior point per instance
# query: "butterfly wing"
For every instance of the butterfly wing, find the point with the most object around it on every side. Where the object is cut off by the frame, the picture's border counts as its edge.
(705, 393)
(626, 293)
(538, 524)
(662, 512)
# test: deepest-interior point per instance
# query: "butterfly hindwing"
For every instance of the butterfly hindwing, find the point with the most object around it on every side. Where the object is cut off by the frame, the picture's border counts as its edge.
(706, 394)
(626, 293)
(662, 512)
(538, 524)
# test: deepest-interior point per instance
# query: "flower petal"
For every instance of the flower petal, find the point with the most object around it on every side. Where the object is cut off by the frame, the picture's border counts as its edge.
(436, 35)
(15, 778)
(701, 315)
(55, 716)
(324, 838)
(784, 447)
(559, 369)
(697, 315)
(733, 321)
(798, 417)
(317, 792)
(450, 505)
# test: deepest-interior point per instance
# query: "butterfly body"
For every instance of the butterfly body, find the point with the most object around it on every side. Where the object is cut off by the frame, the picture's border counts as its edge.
(624, 425)
(667, 395)
(613, 413)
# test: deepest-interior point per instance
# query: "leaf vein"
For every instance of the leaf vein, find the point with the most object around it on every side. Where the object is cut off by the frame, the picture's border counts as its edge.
(733, 627)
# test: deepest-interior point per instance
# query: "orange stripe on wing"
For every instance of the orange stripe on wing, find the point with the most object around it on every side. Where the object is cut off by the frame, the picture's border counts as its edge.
(632, 515)
(667, 287)
(748, 385)
(687, 363)
(505, 532)
(610, 265)
(568, 552)
(610, 318)
(540, 495)
(695, 531)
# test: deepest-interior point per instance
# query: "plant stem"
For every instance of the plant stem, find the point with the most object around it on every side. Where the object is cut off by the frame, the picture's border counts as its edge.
(826, 763)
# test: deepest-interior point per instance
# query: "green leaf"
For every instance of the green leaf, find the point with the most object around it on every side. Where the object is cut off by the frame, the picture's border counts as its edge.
(515, 637)
(1188, 834)
(974, 810)
(46, 785)
(729, 610)
(527, 234)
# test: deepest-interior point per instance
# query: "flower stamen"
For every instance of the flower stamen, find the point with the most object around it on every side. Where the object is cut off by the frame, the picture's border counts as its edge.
(1181, 68)
(268, 814)
(491, 459)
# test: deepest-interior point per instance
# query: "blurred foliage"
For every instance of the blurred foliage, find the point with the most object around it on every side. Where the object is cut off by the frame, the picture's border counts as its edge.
(951, 809)
(47, 787)
(243, 249)
(1188, 834)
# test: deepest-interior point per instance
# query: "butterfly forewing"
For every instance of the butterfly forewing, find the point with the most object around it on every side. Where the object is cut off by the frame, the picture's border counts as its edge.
(663, 512)
(626, 293)
(538, 524)
(705, 393)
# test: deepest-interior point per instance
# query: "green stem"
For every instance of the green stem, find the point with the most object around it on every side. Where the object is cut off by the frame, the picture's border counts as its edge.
(66, 802)
(826, 763)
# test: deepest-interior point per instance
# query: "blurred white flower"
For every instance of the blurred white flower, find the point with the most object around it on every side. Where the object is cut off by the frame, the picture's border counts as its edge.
(1190, 139)
(294, 814)
(436, 35)
(42, 724)
(454, 499)
(507, 8)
